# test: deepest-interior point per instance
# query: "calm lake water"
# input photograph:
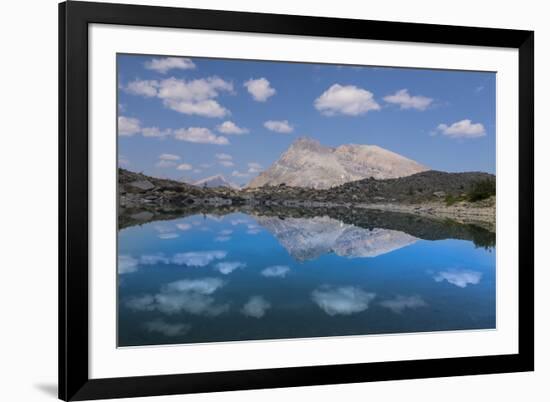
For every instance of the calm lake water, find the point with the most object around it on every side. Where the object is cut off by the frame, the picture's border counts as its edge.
(209, 278)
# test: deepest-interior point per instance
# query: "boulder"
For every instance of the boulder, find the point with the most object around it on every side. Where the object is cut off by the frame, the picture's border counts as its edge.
(142, 185)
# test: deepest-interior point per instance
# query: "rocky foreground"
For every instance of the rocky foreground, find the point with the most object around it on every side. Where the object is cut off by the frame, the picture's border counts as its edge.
(433, 194)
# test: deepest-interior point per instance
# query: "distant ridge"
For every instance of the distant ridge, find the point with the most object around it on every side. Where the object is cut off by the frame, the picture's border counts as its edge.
(307, 163)
(215, 181)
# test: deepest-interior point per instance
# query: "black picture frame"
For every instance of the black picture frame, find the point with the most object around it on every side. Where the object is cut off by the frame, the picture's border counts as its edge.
(74, 19)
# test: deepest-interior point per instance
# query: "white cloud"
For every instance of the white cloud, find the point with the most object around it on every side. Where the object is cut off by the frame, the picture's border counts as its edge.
(155, 132)
(462, 129)
(342, 300)
(279, 126)
(146, 88)
(400, 303)
(346, 99)
(206, 108)
(236, 173)
(128, 126)
(169, 63)
(256, 307)
(406, 101)
(169, 157)
(276, 271)
(195, 97)
(228, 267)
(123, 161)
(193, 296)
(460, 278)
(194, 90)
(260, 89)
(222, 238)
(127, 264)
(184, 166)
(167, 160)
(163, 164)
(222, 156)
(167, 329)
(199, 135)
(198, 258)
(228, 127)
(225, 160)
(254, 167)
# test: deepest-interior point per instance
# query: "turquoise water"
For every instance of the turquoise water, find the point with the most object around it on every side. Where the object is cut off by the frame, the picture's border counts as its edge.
(207, 278)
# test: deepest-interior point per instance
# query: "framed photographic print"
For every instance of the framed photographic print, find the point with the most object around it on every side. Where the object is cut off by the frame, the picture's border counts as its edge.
(256, 200)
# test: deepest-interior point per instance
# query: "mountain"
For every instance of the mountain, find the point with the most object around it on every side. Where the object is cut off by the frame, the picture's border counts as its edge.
(310, 238)
(307, 163)
(215, 181)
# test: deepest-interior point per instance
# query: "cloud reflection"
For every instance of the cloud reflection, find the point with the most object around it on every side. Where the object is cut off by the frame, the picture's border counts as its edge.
(256, 307)
(228, 267)
(127, 264)
(276, 271)
(344, 300)
(459, 277)
(193, 296)
(198, 258)
(168, 236)
(400, 303)
(167, 329)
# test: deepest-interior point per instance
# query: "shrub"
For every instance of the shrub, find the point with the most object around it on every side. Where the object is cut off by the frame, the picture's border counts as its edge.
(451, 199)
(481, 190)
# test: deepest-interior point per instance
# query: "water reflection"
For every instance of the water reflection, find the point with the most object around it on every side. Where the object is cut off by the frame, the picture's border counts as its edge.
(241, 275)
(342, 300)
(310, 238)
(191, 296)
(256, 307)
(400, 303)
(459, 277)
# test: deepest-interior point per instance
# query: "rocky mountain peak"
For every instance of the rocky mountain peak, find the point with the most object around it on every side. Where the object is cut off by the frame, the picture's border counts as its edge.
(215, 181)
(309, 144)
(307, 163)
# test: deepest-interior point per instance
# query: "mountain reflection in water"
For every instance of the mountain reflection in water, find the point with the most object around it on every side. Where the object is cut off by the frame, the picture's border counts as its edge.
(210, 275)
(310, 238)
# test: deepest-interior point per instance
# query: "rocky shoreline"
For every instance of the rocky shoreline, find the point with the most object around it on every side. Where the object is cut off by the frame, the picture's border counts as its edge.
(481, 213)
(423, 195)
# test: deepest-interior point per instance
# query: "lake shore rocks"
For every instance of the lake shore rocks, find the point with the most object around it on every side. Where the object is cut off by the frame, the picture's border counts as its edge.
(421, 194)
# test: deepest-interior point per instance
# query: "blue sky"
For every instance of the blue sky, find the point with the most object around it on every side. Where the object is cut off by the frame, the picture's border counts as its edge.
(195, 117)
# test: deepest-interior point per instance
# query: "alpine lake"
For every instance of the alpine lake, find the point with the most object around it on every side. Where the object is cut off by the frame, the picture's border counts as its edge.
(238, 274)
